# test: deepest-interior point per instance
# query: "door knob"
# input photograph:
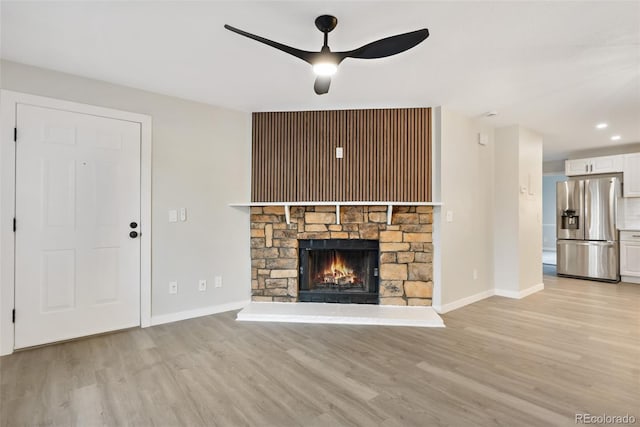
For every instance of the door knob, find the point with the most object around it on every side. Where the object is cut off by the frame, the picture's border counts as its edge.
(133, 225)
(133, 234)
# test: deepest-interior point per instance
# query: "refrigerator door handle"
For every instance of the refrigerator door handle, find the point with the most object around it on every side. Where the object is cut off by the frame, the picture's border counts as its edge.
(589, 242)
(587, 209)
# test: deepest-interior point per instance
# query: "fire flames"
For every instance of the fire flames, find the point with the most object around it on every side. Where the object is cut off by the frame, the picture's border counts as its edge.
(339, 273)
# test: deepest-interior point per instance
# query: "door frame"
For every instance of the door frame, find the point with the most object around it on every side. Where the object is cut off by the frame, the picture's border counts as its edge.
(8, 109)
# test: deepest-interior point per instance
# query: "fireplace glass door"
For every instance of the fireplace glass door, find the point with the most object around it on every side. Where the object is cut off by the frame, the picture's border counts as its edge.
(339, 271)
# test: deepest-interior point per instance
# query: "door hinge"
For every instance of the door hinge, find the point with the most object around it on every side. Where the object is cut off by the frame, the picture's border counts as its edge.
(13, 316)
(15, 134)
(14, 225)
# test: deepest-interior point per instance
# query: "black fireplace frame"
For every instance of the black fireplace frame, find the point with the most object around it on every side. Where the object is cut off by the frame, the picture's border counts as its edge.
(307, 245)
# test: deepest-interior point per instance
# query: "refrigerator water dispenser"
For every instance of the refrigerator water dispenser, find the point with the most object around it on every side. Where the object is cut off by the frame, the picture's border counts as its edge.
(569, 220)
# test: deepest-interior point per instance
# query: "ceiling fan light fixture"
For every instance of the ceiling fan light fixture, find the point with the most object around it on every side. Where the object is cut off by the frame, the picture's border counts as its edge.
(325, 68)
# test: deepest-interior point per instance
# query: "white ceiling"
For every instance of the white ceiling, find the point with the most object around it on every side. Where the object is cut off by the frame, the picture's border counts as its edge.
(553, 66)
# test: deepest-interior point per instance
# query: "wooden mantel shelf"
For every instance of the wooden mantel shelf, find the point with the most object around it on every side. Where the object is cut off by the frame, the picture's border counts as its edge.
(287, 206)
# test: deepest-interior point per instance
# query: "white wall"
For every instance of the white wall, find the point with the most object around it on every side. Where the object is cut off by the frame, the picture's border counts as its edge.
(606, 151)
(463, 181)
(507, 182)
(201, 161)
(553, 167)
(518, 217)
(496, 228)
(530, 245)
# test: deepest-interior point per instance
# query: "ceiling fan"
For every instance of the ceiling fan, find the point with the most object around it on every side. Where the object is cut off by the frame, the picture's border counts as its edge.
(325, 63)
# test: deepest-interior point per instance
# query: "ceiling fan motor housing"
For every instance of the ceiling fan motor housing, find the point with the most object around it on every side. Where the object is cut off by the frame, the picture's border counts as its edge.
(326, 23)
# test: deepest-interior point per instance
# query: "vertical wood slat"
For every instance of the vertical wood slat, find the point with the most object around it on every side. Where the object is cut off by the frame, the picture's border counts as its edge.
(387, 155)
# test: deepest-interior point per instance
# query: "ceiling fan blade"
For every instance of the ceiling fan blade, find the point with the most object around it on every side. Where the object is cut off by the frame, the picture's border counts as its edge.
(302, 54)
(387, 46)
(321, 86)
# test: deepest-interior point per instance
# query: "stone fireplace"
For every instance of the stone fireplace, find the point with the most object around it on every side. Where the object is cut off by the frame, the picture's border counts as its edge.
(404, 254)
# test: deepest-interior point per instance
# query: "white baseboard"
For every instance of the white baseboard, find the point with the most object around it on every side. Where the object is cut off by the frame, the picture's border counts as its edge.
(198, 312)
(519, 294)
(630, 279)
(445, 308)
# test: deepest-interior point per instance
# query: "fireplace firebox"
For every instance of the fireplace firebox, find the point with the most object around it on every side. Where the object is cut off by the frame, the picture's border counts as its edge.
(338, 271)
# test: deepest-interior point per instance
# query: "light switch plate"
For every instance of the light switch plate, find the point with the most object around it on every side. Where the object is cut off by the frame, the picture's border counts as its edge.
(339, 153)
(173, 215)
(449, 216)
(173, 287)
(202, 285)
(217, 281)
(183, 214)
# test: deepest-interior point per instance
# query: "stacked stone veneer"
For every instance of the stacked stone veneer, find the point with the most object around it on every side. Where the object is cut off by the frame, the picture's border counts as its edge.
(406, 258)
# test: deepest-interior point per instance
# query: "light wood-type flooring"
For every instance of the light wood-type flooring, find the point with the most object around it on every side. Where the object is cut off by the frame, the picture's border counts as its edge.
(573, 348)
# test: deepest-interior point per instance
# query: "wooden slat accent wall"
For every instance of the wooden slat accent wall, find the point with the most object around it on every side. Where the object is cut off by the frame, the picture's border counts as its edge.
(387, 156)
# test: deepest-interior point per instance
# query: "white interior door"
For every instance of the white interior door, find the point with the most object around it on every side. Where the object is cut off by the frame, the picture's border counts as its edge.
(77, 269)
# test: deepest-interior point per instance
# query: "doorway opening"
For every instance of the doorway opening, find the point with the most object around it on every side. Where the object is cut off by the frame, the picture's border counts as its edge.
(549, 251)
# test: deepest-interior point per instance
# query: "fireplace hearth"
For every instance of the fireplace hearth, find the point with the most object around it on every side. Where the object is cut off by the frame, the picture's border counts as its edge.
(338, 271)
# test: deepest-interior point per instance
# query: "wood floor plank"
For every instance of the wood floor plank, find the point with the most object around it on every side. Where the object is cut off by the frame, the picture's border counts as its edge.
(572, 348)
(500, 397)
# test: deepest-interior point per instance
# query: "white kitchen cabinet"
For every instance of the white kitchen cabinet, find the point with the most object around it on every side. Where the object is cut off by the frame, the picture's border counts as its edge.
(631, 170)
(630, 256)
(607, 164)
(576, 167)
(594, 165)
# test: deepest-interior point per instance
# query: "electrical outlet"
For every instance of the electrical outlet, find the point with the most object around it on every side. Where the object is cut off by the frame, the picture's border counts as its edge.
(217, 281)
(202, 285)
(173, 287)
(183, 214)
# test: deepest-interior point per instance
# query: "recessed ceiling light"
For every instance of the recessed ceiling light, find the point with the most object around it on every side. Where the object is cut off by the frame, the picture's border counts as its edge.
(615, 137)
(602, 126)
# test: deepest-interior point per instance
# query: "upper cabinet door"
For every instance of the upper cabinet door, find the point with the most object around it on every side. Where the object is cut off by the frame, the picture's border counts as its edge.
(576, 167)
(631, 186)
(606, 164)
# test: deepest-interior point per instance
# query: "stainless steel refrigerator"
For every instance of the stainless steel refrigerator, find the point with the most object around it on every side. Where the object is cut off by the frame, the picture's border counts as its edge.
(587, 238)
